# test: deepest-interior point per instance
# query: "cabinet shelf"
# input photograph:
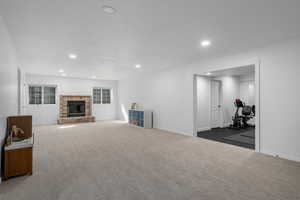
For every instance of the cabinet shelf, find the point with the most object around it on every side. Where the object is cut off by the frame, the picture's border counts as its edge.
(141, 118)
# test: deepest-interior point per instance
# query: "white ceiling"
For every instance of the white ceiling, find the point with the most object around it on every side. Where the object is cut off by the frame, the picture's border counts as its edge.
(154, 33)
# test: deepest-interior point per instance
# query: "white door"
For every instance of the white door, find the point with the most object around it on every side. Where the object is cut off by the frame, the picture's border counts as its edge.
(215, 121)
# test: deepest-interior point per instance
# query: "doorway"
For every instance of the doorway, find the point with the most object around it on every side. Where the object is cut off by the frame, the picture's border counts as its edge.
(227, 106)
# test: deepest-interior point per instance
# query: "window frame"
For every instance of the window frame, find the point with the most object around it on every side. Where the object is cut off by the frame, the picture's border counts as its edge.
(43, 94)
(97, 88)
(101, 93)
(110, 100)
(29, 95)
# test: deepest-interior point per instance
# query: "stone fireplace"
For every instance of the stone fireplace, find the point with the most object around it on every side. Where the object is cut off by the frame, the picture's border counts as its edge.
(75, 109)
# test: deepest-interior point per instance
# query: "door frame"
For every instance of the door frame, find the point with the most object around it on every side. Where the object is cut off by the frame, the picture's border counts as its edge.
(220, 103)
(257, 66)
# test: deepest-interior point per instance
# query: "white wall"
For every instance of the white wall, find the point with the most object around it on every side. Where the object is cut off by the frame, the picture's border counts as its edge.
(170, 94)
(167, 93)
(8, 79)
(247, 89)
(48, 114)
(230, 90)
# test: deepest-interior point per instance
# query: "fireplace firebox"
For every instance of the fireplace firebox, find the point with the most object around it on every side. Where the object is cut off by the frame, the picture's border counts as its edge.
(76, 108)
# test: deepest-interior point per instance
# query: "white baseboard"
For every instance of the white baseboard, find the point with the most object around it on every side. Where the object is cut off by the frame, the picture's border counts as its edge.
(175, 132)
(280, 155)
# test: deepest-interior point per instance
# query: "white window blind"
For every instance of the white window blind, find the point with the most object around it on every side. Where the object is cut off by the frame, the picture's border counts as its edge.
(49, 95)
(105, 96)
(97, 95)
(35, 95)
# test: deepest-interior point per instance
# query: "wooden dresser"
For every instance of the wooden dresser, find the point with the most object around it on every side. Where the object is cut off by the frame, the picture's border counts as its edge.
(18, 153)
(18, 159)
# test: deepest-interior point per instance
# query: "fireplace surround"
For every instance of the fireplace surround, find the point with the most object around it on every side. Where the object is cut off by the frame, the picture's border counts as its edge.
(75, 109)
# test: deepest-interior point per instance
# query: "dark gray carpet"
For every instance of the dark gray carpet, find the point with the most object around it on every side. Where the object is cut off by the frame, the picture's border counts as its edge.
(241, 138)
(250, 134)
(222, 134)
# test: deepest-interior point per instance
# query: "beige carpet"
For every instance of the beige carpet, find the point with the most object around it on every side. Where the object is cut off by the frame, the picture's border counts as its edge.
(111, 160)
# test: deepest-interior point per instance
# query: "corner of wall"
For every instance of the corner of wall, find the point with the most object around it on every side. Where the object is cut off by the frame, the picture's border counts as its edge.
(200, 129)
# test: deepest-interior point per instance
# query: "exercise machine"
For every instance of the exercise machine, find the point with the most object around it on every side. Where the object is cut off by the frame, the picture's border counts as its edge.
(241, 121)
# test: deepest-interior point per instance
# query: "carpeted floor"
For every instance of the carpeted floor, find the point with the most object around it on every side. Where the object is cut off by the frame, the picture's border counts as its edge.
(111, 160)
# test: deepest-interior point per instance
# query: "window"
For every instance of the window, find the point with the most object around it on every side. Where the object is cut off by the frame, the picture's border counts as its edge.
(105, 96)
(101, 96)
(97, 95)
(35, 95)
(49, 95)
(42, 94)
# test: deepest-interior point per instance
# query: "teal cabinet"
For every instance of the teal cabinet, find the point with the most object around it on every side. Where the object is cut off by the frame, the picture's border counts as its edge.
(141, 118)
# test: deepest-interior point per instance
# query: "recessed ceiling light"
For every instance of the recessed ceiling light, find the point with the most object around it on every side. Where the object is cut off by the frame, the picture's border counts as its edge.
(109, 9)
(138, 66)
(93, 77)
(207, 73)
(205, 43)
(61, 71)
(63, 74)
(72, 56)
